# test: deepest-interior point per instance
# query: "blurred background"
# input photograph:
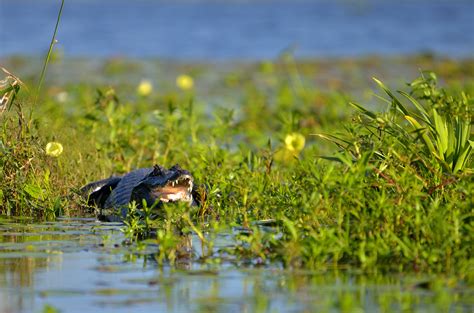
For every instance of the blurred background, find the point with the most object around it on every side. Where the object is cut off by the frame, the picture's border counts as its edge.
(239, 30)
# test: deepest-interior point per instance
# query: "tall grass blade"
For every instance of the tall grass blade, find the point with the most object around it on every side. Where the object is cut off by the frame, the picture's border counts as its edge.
(332, 138)
(48, 56)
(421, 109)
(392, 96)
(370, 114)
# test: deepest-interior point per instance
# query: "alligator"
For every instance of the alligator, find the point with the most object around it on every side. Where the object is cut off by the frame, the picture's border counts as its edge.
(156, 185)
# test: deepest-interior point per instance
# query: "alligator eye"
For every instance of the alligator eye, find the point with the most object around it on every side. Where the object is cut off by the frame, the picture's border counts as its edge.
(175, 167)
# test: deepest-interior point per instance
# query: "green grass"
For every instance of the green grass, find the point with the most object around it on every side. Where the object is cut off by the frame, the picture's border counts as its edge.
(399, 197)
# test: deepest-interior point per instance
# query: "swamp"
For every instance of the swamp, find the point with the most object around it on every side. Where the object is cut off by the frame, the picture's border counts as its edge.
(330, 145)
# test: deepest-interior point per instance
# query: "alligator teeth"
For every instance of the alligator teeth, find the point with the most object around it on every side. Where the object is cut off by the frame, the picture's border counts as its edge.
(183, 181)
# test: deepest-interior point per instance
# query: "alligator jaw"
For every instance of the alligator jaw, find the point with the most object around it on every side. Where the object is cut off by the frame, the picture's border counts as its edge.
(178, 189)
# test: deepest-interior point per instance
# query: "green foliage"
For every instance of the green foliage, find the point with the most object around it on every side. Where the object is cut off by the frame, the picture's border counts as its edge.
(441, 121)
(435, 140)
(25, 184)
(390, 203)
(25, 177)
(410, 205)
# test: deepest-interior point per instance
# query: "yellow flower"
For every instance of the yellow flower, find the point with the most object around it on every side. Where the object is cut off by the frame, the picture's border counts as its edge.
(184, 82)
(62, 97)
(294, 142)
(144, 88)
(54, 149)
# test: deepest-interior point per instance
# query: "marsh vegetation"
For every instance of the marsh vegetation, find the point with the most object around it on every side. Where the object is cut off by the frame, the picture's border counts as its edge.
(297, 175)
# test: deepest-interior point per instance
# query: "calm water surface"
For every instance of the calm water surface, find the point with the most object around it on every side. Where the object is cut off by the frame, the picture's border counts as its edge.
(80, 265)
(205, 29)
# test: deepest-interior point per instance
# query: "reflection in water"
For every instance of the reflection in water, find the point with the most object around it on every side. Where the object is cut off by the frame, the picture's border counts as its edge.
(80, 265)
(19, 260)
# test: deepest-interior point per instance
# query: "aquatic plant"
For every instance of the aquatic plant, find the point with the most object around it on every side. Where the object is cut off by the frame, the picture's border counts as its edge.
(441, 124)
(388, 202)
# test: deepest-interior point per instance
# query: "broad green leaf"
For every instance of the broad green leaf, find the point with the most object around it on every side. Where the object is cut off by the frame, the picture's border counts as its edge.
(34, 191)
(466, 129)
(462, 159)
(441, 132)
(462, 132)
(425, 137)
(451, 137)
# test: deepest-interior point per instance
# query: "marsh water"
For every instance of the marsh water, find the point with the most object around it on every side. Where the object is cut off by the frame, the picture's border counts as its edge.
(210, 30)
(81, 265)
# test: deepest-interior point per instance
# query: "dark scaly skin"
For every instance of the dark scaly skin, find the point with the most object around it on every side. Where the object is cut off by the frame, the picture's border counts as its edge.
(98, 192)
(120, 195)
(112, 195)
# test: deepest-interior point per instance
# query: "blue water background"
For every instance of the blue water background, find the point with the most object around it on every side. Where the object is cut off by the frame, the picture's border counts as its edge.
(244, 30)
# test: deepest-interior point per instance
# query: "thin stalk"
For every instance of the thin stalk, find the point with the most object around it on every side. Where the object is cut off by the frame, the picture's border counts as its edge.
(48, 56)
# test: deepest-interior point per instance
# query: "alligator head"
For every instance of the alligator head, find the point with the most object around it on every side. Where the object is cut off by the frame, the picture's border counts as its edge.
(164, 185)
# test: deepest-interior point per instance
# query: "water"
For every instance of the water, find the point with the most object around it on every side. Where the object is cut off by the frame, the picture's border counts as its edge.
(80, 265)
(209, 30)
